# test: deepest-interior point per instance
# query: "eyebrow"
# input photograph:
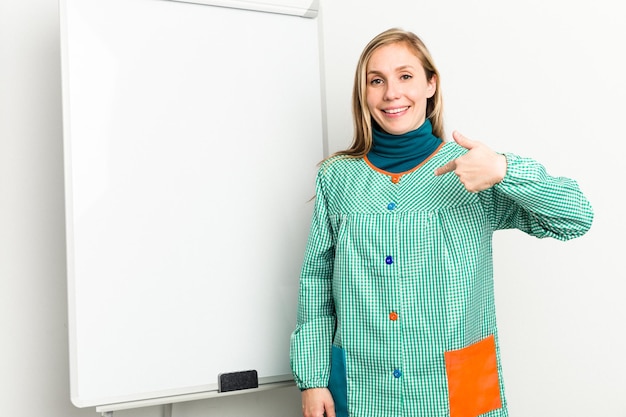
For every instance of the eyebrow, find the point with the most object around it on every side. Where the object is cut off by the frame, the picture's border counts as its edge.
(400, 68)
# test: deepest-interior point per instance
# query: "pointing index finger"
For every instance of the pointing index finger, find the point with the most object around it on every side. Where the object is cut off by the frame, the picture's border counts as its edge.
(444, 169)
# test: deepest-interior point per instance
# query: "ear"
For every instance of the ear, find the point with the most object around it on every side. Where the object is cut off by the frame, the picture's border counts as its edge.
(432, 86)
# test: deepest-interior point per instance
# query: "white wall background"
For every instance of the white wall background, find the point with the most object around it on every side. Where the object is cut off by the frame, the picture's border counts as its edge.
(542, 79)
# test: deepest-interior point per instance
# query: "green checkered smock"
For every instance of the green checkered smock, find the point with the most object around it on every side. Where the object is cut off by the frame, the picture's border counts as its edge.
(398, 271)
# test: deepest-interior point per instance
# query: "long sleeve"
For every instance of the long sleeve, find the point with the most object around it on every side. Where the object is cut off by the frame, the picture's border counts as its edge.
(311, 341)
(538, 204)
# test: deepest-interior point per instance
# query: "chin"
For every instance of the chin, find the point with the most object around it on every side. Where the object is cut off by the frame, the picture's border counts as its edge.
(396, 131)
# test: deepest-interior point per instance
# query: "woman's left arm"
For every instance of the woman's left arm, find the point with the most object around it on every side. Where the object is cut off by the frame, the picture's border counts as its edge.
(531, 200)
(518, 192)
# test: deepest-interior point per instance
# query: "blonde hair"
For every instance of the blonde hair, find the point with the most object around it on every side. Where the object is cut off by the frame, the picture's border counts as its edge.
(362, 140)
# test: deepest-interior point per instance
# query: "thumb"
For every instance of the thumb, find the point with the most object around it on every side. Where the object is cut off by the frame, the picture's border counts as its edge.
(462, 140)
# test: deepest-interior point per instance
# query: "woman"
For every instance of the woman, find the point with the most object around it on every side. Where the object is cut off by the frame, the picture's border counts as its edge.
(396, 311)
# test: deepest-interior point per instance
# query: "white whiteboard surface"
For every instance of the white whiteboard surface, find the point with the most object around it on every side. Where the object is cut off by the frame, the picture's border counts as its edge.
(191, 139)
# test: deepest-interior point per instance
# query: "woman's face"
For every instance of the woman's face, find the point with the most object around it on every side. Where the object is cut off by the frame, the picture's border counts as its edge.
(397, 89)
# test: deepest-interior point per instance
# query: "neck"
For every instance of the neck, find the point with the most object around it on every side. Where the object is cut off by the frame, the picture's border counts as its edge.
(400, 153)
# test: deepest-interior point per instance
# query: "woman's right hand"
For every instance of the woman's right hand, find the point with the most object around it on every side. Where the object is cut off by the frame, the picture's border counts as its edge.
(317, 402)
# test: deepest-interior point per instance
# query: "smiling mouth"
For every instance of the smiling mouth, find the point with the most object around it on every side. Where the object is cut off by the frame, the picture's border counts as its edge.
(395, 111)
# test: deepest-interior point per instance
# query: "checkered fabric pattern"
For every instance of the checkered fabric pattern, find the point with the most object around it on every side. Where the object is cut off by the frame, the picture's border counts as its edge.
(396, 274)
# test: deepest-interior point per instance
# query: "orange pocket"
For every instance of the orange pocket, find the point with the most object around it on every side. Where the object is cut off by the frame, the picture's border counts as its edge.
(473, 383)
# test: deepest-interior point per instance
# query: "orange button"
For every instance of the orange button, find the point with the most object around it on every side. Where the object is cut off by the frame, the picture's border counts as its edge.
(393, 316)
(395, 179)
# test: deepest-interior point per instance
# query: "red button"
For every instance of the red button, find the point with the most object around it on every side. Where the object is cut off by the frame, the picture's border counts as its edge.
(393, 316)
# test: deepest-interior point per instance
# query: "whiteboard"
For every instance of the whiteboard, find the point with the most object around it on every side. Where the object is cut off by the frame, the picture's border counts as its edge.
(191, 137)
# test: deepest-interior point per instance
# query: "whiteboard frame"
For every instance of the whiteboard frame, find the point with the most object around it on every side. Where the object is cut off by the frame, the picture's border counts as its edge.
(161, 397)
(189, 397)
(308, 8)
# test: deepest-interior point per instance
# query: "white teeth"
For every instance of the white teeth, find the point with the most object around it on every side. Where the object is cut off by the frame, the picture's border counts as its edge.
(394, 111)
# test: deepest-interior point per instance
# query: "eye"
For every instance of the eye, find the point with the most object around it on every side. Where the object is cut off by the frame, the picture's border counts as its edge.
(406, 76)
(376, 81)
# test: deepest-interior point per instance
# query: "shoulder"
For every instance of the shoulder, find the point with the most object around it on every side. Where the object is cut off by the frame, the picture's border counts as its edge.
(451, 150)
(340, 173)
(340, 164)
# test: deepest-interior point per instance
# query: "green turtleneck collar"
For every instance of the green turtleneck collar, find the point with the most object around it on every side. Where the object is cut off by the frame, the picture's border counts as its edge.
(401, 153)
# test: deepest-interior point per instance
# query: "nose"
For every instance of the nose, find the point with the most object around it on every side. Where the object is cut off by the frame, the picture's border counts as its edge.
(392, 90)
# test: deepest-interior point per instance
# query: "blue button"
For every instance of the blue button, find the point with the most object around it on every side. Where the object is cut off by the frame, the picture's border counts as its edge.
(397, 373)
(389, 260)
(391, 206)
